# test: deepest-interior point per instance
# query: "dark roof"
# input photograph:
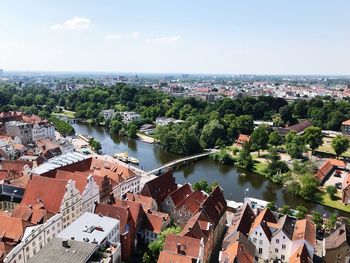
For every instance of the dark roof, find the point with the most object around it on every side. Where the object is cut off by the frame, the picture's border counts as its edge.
(78, 252)
(299, 127)
(180, 194)
(242, 220)
(160, 187)
(287, 224)
(338, 237)
(11, 193)
(263, 219)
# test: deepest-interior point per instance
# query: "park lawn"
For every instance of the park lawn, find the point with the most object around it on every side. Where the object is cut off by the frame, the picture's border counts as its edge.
(260, 168)
(65, 113)
(327, 201)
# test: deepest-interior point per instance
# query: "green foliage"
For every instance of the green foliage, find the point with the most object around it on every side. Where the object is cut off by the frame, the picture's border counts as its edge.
(244, 124)
(203, 185)
(132, 130)
(95, 145)
(275, 166)
(62, 127)
(146, 258)
(157, 245)
(313, 137)
(317, 219)
(275, 139)
(302, 212)
(340, 145)
(222, 157)
(271, 206)
(245, 159)
(331, 191)
(285, 210)
(331, 222)
(116, 126)
(211, 132)
(260, 138)
(295, 145)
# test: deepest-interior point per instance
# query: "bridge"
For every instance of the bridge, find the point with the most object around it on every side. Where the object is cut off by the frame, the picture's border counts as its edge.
(182, 161)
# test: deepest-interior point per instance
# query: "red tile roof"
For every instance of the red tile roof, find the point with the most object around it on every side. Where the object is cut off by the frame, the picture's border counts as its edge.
(183, 245)
(145, 201)
(263, 219)
(242, 138)
(167, 257)
(12, 228)
(238, 252)
(193, 201)
(120, 213)
(301, 255)
(305, 229)
(135, 209)
(45, 192)
(180, 194)
(327, 167)
(347, 122)
(242, 220)
(160, 187)
(156, 221)
(32, 215)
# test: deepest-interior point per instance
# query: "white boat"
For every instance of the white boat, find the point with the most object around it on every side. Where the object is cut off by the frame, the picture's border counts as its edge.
(124, 157)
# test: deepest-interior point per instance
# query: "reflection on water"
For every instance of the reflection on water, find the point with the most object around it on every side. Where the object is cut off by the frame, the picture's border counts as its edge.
(235, 187)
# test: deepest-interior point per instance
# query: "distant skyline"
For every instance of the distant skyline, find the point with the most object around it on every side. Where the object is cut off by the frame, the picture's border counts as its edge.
(274, 37)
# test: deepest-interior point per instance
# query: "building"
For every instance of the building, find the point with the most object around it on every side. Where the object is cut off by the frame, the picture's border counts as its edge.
(10, 196)
(237, 249)
(337, 246)
(160, 187)
(130, 116)
(62, 250)
(67, 199)
(43, 130)
(327, 168)
(346, 189)
(148, 203)
(345, 127)
(297, 128)
(34, 239)
(127, 226)
(175, 197)
(153, 224)
(188, 207)
(21, 130)
(182, 249)
(96, 229)
(107, 114)
(242, 139)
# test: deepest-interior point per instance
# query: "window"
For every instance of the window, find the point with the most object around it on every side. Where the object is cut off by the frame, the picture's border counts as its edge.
(260, 242)
(277, 241)
(283, 247)
(254, 240)
(260, 250)
(283, 257)
(276, 250)
(338, 256)
(260, 234)
(27, 249)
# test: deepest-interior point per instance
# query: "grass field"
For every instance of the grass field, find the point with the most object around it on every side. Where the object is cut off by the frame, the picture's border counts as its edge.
(65, 113)
(327, 201)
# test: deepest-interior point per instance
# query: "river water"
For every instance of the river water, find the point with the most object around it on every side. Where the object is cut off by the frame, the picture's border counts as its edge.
(235, 186)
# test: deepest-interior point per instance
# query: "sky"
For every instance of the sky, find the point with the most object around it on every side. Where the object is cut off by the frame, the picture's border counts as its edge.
(176, 36)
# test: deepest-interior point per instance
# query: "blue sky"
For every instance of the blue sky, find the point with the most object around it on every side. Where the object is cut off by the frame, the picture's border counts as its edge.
(193, 36)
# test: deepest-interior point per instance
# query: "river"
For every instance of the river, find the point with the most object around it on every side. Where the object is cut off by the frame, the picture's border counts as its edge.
(235, 186)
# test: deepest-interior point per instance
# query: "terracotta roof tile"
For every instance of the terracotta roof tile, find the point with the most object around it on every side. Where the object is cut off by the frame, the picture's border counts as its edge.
(262, 219)
(305, 229)
(145, 201)
(167, 257)
(180, 194)
(12, 228)
(301, 255)
(38, 194)
(156, 221)
(347, 122)
(135, 209)
(185, 245)
(193, 201)
(338, 237)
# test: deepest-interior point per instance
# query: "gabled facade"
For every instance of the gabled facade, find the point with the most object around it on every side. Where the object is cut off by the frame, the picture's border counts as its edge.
(174, 198)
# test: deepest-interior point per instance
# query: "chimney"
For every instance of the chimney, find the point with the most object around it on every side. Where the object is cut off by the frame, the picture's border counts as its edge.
(65, 243)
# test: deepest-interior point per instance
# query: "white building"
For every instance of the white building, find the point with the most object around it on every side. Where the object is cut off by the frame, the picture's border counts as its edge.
(43, 130)
(34, 239)
(96, 229)
(20, 129)
(107, 114)
(130, 116)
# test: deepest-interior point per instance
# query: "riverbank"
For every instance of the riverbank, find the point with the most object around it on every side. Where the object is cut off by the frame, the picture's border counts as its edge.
(227, 176)
(144, 138)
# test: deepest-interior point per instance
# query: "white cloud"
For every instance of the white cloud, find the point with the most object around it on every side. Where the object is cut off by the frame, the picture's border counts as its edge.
(135, 34)
(73, 24)
(113, 37)
(164, 40)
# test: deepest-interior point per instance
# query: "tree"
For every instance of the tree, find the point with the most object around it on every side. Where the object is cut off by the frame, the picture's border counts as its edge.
(301, 108)
(244, 124)
(132, 130)
(146, 258)
(244, 158)
(95, 145)
(285, 210)
(275, 139)
(340, 145)
(210, 133)
(260, 138)
(313, 137)
(275, 166)
(116, 126)
(62, 127)
(331, 222)
(331, 191)
(302, 212)
(286, 113)
(295, 145)
(308, 185)
(317, 219)
(222, 157)
(203, 185)
(271, 206)
(157, 245)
